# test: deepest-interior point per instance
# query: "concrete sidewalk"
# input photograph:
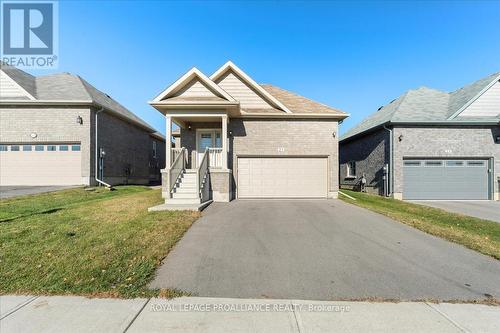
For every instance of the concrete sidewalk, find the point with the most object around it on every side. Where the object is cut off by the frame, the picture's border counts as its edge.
(197, 314)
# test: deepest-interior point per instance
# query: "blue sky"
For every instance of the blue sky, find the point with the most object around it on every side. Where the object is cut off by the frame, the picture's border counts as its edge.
(355, 56)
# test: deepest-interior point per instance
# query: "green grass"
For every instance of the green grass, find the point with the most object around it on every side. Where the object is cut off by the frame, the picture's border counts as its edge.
(474, 233)
(100, 243)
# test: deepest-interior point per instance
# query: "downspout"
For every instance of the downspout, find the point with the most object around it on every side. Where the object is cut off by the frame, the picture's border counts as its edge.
(96, 148)
(391, 162)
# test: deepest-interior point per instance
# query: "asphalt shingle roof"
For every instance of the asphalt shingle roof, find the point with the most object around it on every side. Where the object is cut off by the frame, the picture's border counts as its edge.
(424, 105)
(69, 87)
(299, 104)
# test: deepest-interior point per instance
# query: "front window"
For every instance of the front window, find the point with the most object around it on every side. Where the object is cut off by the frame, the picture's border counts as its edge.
(351, 169)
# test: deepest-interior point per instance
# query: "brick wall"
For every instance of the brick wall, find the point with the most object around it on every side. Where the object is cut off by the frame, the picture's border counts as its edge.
(370, 153)
(51, 124)
(445, 142)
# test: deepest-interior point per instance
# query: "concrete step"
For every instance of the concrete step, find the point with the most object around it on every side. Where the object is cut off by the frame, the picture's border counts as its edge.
(178, 205)
(185, 195)
(183, 189)
(183, 201)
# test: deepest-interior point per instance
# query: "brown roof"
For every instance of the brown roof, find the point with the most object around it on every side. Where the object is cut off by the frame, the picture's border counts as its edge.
(299, 104)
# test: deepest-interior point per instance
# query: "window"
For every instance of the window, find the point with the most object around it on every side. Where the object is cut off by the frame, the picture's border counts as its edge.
(63, 148)
(475, 163)
(75, 148)
(27, 148)
(51, 148)
(351, 169)
(154, 149)
(14, 148)
(3, 148)
(454, 163)
(412, 163)
(39, 148)
(433, 163)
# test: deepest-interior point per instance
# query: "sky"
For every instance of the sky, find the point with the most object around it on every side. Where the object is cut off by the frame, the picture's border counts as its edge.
(355, 56)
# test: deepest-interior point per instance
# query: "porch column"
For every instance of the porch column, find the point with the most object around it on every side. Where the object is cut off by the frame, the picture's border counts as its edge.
(224, 142)
(168, 155)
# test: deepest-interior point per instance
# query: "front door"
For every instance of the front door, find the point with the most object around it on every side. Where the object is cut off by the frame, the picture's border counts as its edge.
(207, 138)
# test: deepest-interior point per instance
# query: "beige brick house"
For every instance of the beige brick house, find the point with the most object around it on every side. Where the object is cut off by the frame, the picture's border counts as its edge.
(59, 130)
(240, 139)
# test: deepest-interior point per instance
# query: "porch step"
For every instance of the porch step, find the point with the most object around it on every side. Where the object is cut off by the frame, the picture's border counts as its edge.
(185, 195)
(178, 205)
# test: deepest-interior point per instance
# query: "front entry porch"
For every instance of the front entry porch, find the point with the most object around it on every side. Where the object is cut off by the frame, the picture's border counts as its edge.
(196, 173)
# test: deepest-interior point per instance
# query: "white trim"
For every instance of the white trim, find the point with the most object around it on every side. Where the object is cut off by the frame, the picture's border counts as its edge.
(472, 100)
(292, 115)
(230, 66)
(192, 73)
(19, 86)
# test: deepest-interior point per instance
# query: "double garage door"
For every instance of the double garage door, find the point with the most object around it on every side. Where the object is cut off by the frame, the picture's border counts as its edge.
(445, 179)
(37, 165)
(282, 177)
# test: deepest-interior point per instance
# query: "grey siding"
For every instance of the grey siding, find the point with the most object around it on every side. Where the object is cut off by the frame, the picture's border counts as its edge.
(371, 153)
(51, 124)
(446, 142)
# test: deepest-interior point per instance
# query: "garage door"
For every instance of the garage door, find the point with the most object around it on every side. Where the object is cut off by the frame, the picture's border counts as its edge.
(282, 177)
(50, 164)
(445, 179)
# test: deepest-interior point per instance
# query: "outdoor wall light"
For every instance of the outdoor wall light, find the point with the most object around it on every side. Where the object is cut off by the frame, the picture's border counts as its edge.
(497, 139)
(230, 133)
(79, 120)
(334, 134)
(189, 127)
(400, 138)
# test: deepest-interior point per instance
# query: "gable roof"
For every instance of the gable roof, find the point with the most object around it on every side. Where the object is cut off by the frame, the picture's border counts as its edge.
(66, 87)
(261, 99)
(186, 79)
(426, 105)
(230, 66)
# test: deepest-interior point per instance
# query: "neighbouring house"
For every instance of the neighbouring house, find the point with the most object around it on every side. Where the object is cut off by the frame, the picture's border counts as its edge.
(429, 144)
(240, 139)
(48, 134)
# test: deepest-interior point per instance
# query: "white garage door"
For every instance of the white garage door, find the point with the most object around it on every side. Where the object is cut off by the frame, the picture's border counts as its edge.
(52, 164)
(282, 177)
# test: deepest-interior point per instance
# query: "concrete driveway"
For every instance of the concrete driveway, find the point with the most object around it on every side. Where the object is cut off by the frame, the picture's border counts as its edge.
(17, 191)
(322, 250)
(487, 210)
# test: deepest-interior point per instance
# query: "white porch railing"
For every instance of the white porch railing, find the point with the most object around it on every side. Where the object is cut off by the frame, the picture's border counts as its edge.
(215, 157)
(177, 167)
(175, 153)
(202, 177)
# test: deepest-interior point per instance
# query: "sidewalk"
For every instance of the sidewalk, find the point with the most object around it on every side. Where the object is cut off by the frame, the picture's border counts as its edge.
(197, 314)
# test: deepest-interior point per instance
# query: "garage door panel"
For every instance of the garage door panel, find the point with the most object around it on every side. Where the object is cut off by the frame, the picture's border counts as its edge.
(282, 177)
(40, 168)
(452, 179)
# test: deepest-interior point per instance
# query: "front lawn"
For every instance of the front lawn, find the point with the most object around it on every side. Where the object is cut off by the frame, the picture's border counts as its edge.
(474, 233)
(97, 243)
